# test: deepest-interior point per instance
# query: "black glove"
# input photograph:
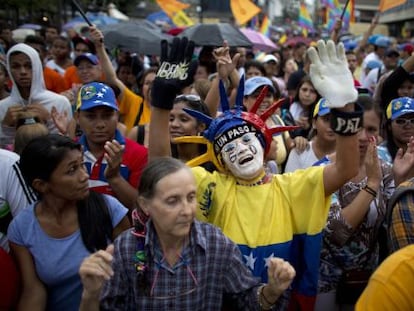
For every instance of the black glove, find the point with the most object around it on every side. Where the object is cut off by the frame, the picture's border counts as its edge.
(176, 72)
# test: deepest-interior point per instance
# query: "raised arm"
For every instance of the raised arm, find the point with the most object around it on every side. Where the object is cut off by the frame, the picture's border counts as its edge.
(108, 70)
(333, 80)
(176, 72)
(226, 69)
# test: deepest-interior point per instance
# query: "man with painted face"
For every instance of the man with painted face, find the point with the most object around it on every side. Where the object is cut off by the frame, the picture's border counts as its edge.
(266, 215)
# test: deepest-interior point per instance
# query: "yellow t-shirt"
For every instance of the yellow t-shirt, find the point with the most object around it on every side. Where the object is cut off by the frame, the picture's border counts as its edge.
(129, 106)
(391, 285)
(283, 218)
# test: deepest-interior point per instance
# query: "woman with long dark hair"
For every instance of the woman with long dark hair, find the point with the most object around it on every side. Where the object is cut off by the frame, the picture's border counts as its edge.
(51, 237)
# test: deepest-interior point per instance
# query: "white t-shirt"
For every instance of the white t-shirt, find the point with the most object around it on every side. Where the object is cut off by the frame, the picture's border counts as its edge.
(300, 160)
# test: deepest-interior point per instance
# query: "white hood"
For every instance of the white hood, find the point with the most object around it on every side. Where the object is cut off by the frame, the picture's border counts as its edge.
(38, 89)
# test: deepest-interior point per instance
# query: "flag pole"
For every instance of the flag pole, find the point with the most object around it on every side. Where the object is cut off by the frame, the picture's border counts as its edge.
(344, 9)
(76, 4)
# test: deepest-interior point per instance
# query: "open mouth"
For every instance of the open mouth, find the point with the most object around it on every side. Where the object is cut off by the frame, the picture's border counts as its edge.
(246, 159)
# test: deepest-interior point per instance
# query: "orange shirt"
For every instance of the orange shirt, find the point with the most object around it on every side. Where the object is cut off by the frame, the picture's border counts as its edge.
(71, 77)
(54, 82)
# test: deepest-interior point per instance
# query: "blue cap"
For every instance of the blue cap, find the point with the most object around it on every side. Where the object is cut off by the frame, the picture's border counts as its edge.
(254, 83)
(399, 106)
(92, 58)
(350, 45)
(373, 64)
(96, 94)
(373, 38)
(321, 109)
(383, 42)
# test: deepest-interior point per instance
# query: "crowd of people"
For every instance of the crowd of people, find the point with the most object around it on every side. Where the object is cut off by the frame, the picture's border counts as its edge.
(206, 179)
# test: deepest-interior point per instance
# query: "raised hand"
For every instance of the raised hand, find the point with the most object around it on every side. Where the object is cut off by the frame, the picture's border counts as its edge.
(372, 165)
(61, 120)
(95, 269)
(176, 72)
(280, 276)
(403, 166)
(113, 157)
(224, 63)
(330, 74)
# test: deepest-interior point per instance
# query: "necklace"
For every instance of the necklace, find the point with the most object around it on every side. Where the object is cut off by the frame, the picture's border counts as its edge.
(262, 180)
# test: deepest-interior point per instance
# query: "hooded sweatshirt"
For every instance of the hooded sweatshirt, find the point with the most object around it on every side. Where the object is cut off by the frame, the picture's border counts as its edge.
(38, 94)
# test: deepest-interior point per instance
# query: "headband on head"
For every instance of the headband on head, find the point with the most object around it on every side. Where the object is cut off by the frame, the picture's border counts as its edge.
(231, 124)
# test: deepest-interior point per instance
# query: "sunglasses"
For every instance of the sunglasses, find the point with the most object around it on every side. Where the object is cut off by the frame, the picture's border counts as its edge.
(188, 97)
(403, 122)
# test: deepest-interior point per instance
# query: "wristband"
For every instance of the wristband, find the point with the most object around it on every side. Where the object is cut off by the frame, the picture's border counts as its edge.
(347, 123)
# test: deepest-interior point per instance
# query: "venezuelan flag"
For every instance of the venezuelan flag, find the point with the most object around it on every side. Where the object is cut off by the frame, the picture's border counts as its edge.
(264, 28)
(305, 20)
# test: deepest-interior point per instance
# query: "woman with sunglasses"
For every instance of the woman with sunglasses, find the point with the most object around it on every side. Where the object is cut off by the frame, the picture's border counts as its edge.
(176, 262)
(399, 128)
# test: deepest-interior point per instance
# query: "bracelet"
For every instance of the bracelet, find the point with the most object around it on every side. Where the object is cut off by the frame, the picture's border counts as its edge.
(347, 123)
(370, 190)
(261, 295)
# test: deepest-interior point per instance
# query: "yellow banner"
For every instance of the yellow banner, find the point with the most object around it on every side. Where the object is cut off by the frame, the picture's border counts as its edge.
(389, 4)
(243, 10)
(171, 7)
(181, 19)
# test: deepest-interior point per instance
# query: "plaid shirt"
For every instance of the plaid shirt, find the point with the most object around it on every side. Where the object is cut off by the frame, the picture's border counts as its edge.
(402, 222)
(214, 261)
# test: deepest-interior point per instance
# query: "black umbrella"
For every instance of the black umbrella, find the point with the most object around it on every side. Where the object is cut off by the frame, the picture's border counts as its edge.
(215, 34)
(134, 36)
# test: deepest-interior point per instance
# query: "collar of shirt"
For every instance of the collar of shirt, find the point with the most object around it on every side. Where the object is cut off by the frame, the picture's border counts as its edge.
(154, 249)
(118, 137)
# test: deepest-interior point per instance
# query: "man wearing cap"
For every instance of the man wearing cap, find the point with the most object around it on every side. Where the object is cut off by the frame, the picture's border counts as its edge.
(400, 83)
(271, 65)
(114, 163)
(399, 128)
(28, 93)
(131, 105)
(322, 143)
(406, 49)
(381, 44)
(81, 45)
(267, 215)
(389, 63)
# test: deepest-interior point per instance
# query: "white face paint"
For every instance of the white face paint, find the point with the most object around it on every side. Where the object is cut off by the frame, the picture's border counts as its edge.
(244, 156)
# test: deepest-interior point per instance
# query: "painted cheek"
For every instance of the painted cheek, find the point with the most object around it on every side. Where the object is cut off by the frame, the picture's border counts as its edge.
(253, 149)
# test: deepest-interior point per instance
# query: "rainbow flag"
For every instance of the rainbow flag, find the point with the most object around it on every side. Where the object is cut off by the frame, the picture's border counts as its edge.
(349, 16)
(333, 11)
(305, 20)
(264, 28)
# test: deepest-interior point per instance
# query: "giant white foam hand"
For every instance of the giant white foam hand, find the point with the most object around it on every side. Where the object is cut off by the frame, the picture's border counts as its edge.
(330, 74)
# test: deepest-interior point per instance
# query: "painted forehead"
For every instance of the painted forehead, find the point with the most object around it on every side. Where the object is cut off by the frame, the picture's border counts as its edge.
(232, 134)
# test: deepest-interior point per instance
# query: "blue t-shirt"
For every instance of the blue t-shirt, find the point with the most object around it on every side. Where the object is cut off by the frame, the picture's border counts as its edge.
(57, 261)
